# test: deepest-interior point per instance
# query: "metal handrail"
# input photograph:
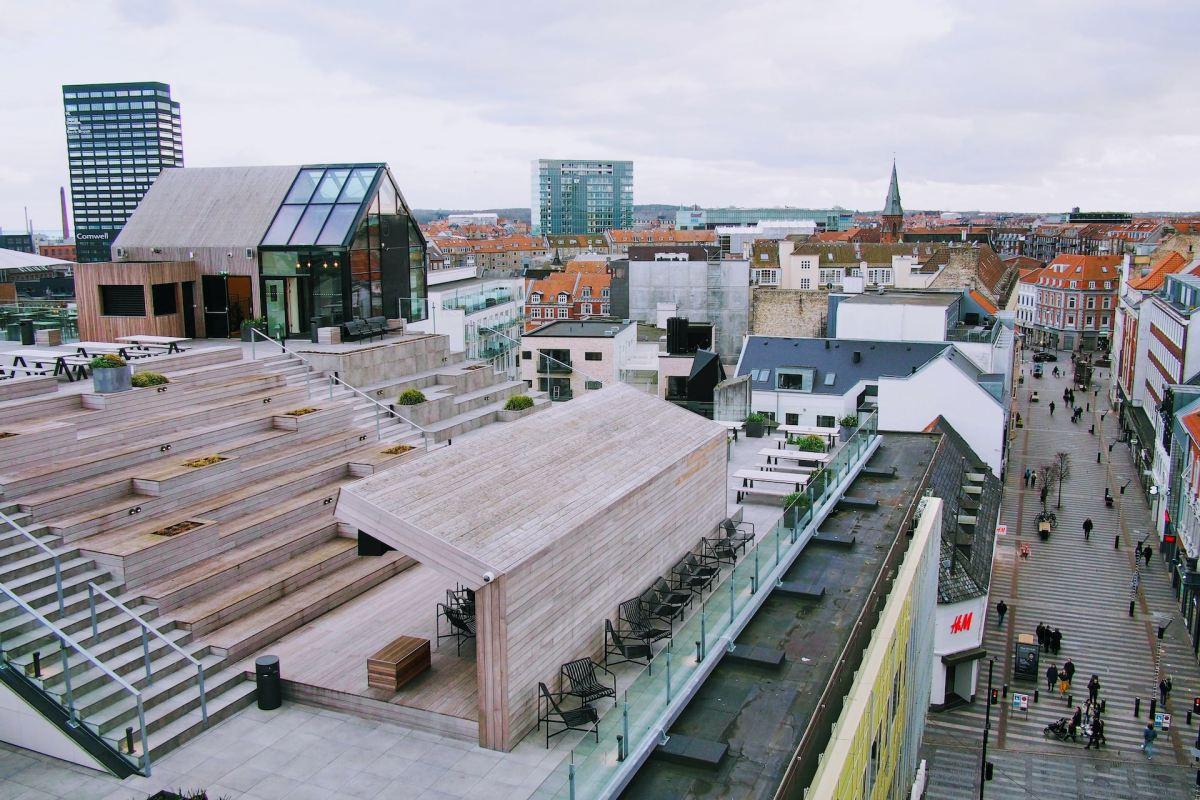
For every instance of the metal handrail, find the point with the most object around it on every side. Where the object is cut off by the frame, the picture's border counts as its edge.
(147, 629)
(65, 640)
(332, 378)
(57, 563)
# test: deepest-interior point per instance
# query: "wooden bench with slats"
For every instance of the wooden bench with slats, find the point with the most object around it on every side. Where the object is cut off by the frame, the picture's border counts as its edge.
(398, 663)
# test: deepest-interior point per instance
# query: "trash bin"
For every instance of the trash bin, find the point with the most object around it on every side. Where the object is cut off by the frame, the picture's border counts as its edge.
(266, 676)
(26, 331)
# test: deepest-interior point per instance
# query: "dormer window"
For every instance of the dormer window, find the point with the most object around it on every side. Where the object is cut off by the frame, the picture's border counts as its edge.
(562, 298)
(536, 297)
(587, 291)
(604, 292)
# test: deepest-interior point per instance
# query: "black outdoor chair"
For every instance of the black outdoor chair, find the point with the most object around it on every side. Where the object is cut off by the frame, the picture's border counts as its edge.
(637, 624)
(629, 650)
(664, 603)
(693, 575)
(461, 598)
(740, 534)
(719, 551)
(572, 719)
(583, 682)
(462, 626)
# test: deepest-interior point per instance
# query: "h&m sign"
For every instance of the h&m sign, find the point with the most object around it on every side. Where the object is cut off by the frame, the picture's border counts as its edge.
(962, 622)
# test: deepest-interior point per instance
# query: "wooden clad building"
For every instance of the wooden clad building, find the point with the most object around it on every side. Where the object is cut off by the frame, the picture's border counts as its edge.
(553, 521)
(147, 298)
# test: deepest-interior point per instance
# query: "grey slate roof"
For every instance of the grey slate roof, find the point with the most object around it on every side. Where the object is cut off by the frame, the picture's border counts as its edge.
(208, 207)
(892, 206)
(762, 355)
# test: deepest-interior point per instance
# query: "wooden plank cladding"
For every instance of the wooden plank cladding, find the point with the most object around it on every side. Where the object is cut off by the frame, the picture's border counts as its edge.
(98, 326)
(552, 532)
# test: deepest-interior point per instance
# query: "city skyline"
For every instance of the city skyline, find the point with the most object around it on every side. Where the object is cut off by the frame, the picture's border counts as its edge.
(976, 111)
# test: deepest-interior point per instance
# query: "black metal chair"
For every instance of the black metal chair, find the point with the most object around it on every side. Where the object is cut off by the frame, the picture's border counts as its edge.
(462, 626)
(550, 711)
(720, 551)
(638, 624)
(664, 603)
(693, 575)
(461, 598)
(629, 649)
(740, 534)
(583, 682)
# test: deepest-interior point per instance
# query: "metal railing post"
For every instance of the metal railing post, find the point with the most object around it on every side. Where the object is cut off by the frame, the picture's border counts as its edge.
(308, 381)
(378, 436)
(732, 581)
(203, 698)
(571, 776)
(703, 632)
(625, 719)
(92, 607)
(62, 610)
(146, 655)
(253, 340)
(331, 386)
(668, 673)
(754, 588)
(145, 744)
(66, 668)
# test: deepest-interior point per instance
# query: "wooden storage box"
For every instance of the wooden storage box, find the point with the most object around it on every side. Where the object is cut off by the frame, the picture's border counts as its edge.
(398, 663)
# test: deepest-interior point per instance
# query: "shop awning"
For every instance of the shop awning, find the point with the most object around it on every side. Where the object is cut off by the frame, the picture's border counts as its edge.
(974, 654)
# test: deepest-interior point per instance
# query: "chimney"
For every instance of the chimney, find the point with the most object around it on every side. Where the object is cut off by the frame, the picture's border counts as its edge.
(66, 224)
(826, 344)
(856, 357)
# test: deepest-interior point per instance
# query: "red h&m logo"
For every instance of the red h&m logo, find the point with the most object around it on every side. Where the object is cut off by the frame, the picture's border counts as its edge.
(961, 623)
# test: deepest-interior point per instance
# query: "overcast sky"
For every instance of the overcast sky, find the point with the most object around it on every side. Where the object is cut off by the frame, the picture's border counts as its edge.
(1038, 106)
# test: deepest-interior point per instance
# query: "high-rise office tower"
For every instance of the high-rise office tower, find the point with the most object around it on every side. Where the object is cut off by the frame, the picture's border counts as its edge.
(571, 196)
(119, 137)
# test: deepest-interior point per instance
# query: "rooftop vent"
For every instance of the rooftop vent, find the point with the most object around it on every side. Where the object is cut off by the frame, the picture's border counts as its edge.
(826, 344)
(857, 357)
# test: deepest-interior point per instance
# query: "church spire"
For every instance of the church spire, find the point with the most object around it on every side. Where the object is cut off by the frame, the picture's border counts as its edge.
(893, 214)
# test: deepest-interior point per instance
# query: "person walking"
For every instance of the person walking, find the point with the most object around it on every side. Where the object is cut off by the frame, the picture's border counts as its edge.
(1033, 480)
(1041, 635)
(1051, 677)
(1087, 528)
(1056, 642)
(1068, 670)
(1001, 610)
(1027, 477)
(1147, 551)
(1148, 737)
(1164, 690)
(1096, 732)
(1076, 721)
(1052, 408)
(1093, 687)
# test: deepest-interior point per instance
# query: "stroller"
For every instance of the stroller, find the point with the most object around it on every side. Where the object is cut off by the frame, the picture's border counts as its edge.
(1060, 730)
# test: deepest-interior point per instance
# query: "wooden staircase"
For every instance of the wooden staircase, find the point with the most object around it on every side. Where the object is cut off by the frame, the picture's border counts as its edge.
(222, 559)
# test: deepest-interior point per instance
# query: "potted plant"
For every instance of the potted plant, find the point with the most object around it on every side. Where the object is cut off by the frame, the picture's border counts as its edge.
(254, 322)
(411, 397)
(755, 424)
(144, 380)
(809, 444)
(111, 374)
(849, 424)
(517, 406)
(795, 505)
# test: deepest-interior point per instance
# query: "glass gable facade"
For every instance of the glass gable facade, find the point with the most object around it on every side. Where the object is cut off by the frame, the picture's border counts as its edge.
(343, 245)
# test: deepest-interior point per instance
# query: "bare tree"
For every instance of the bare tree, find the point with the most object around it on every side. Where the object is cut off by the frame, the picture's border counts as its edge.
(1048, 474)
(1062, 464)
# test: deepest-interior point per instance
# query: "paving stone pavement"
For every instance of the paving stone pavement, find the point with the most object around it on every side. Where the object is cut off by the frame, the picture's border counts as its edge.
(1082, 588)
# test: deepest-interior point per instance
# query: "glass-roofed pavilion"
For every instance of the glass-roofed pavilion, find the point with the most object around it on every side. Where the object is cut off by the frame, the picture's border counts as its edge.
(342, 245)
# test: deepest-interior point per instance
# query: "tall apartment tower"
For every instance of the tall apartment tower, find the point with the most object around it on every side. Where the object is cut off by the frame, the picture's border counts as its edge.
(572, 196)
(119, 137)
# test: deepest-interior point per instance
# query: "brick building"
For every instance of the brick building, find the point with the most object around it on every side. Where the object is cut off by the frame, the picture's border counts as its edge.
(580, 291)
(1076, 302)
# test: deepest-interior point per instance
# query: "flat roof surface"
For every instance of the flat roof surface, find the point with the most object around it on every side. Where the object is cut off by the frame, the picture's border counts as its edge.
(944, 299)
(587, 328)
(763, 712)
(494, 501)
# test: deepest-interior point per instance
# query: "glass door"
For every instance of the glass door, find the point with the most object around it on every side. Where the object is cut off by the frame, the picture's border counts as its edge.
(276, 305)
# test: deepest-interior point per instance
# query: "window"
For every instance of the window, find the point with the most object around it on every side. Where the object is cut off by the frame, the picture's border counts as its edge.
(604, 308)
(767, 277)
(1074, 284)
(791, 419)
(1070, 302)
(1091, 302)
(826, 421)
(162, 295)
(604, 292)
(587, 292)
(1091, 284)
(1070, 319)
(593, 385)
(1106, 302)
(562, 313)
(1088, 321)
(677, 387)
(563, 298)
(592, 356)
(122, 301)
(806, 283)
(586, 308)
(794, 379)
(536, 297)
(526, 354)
(535, 313)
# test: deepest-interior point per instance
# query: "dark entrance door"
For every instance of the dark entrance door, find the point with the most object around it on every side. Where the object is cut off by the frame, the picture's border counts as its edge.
(189, 309)
(216, 306)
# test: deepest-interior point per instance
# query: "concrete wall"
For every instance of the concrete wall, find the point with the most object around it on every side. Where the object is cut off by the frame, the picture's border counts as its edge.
(731, 399)
(591, 571)
(725, 304)
(891, 321)
(949, 638)
(24, 727)
(940, 388)
(615, 351)
(384, 361)
(806, 406)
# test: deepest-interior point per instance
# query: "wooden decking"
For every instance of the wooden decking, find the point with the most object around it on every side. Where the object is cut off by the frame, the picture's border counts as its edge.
(326, 660)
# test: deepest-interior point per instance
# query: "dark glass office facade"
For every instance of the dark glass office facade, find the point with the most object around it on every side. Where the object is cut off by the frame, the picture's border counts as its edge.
(21, 242)
(343, 245)
(581, 196)
(119, 137)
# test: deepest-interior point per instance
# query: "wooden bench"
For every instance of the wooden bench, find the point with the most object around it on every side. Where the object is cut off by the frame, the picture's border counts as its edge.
(770, 493)
(398, 663)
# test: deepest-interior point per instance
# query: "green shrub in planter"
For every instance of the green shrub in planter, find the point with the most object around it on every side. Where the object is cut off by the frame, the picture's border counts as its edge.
(849, 421)
(755, 423)
(795, 505)
(107, 361)
(411, 397)
(518, 402)
(143, 379)
(809, 444)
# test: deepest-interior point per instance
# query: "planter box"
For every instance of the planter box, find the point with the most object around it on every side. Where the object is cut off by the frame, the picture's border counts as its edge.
(513, 416)
(170, 478)
(107, 380)
(47, 336)
(754, 430)
(286, 422)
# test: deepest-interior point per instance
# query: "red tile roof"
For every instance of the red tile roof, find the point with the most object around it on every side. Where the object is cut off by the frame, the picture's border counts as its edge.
(1065, 268)
(1171, 264)
(987, 305)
